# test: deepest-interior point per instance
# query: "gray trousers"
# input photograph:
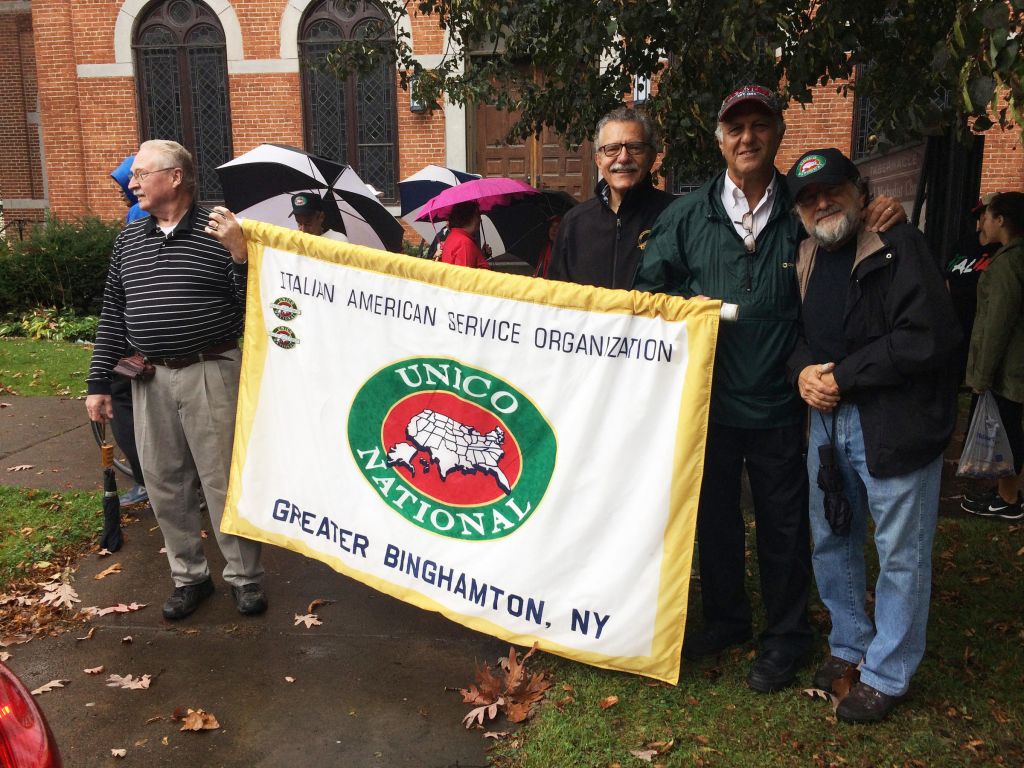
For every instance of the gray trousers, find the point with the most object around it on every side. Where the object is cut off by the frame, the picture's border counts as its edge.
(184, 429)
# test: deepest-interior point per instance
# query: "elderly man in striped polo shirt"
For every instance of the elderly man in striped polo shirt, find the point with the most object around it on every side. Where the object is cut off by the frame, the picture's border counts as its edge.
(175, 293)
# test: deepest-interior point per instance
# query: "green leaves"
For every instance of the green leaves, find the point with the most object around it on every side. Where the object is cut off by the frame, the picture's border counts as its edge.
(563, 63)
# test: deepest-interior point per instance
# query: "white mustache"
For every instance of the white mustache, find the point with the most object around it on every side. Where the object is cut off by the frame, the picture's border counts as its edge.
(628, 166)
(828, 212)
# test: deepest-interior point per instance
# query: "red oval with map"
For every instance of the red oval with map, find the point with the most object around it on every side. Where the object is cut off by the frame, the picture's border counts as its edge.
(451, 449)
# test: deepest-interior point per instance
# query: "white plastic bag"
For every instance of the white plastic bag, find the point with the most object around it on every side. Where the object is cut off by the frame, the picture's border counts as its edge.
(987, 453)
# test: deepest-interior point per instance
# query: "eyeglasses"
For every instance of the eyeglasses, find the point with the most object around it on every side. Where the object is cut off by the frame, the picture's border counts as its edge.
(747, 222)
(632, 147)
(141, 175)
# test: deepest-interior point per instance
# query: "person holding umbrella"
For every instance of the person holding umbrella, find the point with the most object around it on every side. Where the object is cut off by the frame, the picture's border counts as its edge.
(308, 210)
(875, 361)
(460, 247)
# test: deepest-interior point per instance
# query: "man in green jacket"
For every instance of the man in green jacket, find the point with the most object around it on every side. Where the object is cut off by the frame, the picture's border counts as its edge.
(735, 239)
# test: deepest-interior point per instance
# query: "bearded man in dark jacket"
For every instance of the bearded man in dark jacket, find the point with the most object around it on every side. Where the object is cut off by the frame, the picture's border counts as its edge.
(600, 241)
(875, 361)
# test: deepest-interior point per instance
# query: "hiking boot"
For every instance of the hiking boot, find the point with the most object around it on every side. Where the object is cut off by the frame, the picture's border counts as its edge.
(136, 495)
(250, 599)
(184, 600)
(999, 507)
(712, 641)
(979, 499)
(831, 670)
(865, 704)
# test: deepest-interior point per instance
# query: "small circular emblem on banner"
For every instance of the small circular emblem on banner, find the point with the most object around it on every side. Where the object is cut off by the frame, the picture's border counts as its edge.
(284, 337)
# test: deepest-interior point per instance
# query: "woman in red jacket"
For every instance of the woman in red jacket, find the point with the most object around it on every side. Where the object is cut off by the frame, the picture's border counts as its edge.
(460, 246)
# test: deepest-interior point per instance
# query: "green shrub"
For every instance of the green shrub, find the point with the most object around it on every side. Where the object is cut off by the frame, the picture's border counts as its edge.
(61, 264)
(50, 323)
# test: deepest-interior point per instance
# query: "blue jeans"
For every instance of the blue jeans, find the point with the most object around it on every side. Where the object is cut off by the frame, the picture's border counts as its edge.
(904, 510)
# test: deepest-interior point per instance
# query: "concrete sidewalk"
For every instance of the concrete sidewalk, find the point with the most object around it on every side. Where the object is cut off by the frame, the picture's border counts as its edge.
(369, 684)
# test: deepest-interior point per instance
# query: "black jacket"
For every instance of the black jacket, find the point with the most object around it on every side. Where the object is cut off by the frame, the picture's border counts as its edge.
(597, 246)
(901, 335)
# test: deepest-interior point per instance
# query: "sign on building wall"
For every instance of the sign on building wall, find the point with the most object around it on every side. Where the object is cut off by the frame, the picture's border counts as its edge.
(522, 456)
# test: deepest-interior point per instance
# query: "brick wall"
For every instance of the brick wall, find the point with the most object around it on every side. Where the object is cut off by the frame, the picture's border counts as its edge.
(21, 173)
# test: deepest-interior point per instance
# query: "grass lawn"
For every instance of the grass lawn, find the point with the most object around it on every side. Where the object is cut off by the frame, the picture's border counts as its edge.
(966, 706)
(36, 526)
(29, 367)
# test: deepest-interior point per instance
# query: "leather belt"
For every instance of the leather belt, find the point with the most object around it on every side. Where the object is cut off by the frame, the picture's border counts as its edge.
(211, 353)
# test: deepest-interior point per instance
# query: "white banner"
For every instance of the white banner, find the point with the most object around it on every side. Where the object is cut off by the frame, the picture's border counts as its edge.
(521, 455)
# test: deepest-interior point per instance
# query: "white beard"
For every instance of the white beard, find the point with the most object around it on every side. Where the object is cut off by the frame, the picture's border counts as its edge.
(835, 230)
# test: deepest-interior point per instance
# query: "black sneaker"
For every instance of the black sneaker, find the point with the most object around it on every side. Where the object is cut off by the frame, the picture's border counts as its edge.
(979, 500)
(184, 600)
(998, 507)
(250, 599)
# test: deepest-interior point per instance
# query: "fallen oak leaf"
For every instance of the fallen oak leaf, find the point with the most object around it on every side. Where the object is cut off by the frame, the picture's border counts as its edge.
(58, 595)
(94, 670)
(120, 608)
(198, 720)
(289, 679)
(20, 467)
(310, 620)
(495, 734)
(88, 635)
(647, 755)
(126, 640)
(4, 655)
(129, 682)
(608, 701)
(49, 686)
(316, 604)
(477, 715)
(115, 568)
(119, 752)
(155, 719)
(104, 553)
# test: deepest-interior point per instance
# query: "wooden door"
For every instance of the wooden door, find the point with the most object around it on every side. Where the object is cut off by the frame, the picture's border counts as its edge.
(543, 162)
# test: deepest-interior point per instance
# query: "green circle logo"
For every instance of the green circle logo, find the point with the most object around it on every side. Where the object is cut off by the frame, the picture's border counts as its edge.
(453, 449)
(284, 337)
(810, 164)
(285, 308)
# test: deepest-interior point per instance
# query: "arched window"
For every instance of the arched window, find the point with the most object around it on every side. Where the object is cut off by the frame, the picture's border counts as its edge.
(353, 119)
(181, 72)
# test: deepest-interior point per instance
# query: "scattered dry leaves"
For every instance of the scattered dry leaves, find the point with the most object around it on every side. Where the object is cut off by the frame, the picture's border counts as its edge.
(514, 692)
(310, 620)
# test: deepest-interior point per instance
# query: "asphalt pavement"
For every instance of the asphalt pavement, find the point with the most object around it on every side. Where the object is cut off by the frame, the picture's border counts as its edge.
(369, 687)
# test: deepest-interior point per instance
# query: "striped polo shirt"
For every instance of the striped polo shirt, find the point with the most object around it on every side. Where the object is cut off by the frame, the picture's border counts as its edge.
(167, 296)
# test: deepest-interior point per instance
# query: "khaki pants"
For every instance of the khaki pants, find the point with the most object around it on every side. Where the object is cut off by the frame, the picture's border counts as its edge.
(184, 429)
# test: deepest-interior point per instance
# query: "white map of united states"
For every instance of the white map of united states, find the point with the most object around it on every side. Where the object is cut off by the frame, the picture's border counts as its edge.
(451, 445)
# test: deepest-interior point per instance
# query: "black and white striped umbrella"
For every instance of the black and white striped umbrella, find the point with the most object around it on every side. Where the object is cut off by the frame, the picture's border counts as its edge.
(259, 185)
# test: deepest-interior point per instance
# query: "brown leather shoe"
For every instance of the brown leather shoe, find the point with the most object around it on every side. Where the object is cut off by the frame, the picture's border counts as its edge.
(831, 669)
(865, 704)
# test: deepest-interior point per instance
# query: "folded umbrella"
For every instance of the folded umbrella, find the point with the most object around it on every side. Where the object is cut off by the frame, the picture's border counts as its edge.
(260, 183)
(111, 539)
(837, 506)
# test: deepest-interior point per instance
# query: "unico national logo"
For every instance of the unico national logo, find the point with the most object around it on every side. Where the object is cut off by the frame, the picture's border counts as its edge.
(451, 448)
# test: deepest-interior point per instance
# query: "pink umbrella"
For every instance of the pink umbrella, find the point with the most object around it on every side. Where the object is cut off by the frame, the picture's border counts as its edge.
(487, 193)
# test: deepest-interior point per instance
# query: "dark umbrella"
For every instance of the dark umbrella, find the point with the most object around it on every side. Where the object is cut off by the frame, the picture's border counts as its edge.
(523, 225)
(837, 506)
(111, 539)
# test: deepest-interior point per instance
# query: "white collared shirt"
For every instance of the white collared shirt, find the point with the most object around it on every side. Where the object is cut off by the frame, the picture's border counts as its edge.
(736, 205)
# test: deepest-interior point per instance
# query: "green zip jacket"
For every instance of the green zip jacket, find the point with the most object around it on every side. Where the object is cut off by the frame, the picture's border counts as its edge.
(694, 249)
(996, 357)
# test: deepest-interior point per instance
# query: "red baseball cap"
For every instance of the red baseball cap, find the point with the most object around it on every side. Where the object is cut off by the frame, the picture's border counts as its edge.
(755, 93)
